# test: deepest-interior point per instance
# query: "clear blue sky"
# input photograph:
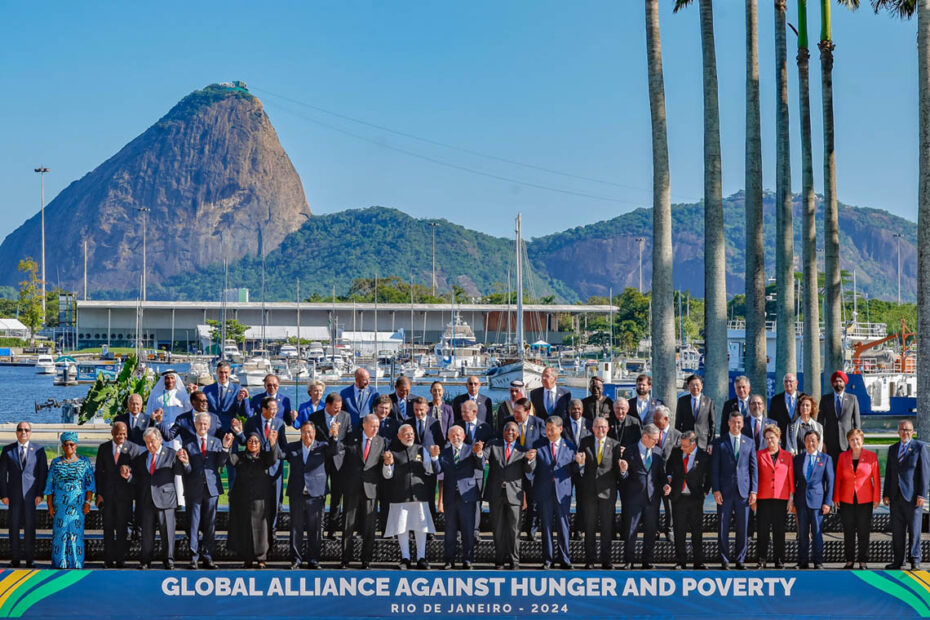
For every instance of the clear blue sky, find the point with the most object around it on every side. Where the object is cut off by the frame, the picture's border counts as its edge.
(558, 85)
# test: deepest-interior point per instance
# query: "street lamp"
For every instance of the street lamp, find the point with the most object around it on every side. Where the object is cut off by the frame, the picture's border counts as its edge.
(42, 170)
(897, 237)
(143, 211)
(642, 242)
(434, 225)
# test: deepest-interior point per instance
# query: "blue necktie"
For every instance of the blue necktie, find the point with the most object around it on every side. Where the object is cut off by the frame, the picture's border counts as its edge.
(810, 467)
(648, 460)
(901, 451)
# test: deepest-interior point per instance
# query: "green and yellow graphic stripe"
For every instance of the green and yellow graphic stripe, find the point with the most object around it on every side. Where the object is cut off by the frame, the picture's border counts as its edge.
(21, 589)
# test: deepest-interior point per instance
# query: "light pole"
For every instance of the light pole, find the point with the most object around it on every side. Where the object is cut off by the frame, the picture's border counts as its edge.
(897, 237)
(42, 170)
(433, 225)
(642, 243)
(143, 211)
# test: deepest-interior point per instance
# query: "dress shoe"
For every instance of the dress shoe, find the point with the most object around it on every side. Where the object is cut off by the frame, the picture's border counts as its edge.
(448, 566)
(863, 566)
(498, 567)
(678, 566)
(566, 566)
(818, 566)
(546, 565)
(848, 565)
(627, 566)
(762, 565)
(294, 565)
(143, 565)
(779, 564)
(343, 565)
(700, 566)
(915, 565)
(121, 565)
(892, 566)
(589, 566)
(648, 565)
(30, 564)
(724, 566)
(514, 566)
(607, 566)
(803, 565)
(740, 566)
(422, 564)
(404, 564)
(168, 564)
(247, 564)
(110, 564)
(365, 565)
(209, 564)
(195, 565)
(313, 565)
(260, 565)
(14, 563)
(466, 565)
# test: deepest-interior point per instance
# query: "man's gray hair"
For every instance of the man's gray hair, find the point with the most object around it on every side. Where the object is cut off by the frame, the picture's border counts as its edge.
(202, 415)
(661, 412)
(151, 431)
(575, 402)
(689, 435)
(555, 420)
(650, 429)
(741, 379)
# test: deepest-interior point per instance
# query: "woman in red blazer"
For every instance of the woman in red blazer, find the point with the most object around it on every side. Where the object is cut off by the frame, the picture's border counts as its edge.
(776, 486)
(857, 490)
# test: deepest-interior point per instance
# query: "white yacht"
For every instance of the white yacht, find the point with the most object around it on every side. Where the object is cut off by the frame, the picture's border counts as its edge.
(45, 365)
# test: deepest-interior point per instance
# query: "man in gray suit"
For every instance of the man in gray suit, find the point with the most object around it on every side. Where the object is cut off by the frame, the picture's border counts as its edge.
(508, 463)
(695, 412)
(839, 414)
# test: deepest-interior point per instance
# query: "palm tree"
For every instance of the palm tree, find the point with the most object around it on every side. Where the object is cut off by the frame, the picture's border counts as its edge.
(663, 315)
(755, 262)
(786, 349)
(906, 9)
(715, 268)
(809, 285)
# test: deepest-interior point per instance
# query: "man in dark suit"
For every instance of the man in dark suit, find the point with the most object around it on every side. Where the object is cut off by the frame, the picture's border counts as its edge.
(669, 439)
(575, 429)
(688, 471)
(226, 399)
(203, 457)
(839, 414)
(529, 431)
(272, 384)
(734, 478)
(475, 430)
(907, 477)
(262, 424)
(813, 493)
(741, 403)
(114, 494)
(152, 473)
(643, 405)
(359, 399)
(23, 473)
(642, 483)
(597, 491)
(384, 409)
(596, 405)
(135, 419)
(324, 419)
(462, 468)
(695, 412)
(427, 432)
(485, 412)
(184, 424)
(625, 429)
(556, 466)
(508, 465)
(359, 464)
(306, 490)
(550, 399)
(754, 424)
(401, 408)
(783, 405)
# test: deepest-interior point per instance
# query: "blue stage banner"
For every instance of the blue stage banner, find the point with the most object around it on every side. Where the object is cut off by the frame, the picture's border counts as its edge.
(345, 594)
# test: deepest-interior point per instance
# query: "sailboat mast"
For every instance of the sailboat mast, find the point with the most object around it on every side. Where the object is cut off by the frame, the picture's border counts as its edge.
(375, 356)
(519, 244)
(297, 366)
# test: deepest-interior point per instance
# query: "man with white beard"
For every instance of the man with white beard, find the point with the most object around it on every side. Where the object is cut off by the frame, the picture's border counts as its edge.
(407, 471)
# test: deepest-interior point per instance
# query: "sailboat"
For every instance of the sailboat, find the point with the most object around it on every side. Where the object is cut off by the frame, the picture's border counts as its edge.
(508, 370)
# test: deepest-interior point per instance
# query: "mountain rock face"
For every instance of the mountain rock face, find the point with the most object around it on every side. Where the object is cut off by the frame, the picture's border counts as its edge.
(217, 182)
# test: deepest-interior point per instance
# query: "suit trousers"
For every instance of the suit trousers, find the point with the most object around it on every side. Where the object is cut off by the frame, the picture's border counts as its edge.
(857, 524)
(505, 525)
(335, 498)
(688, 513)
(361, 517)
(460, 517)
(771, 514)
(810, 529)
(202, 519)
(555, 514)
(306, 515)
(579, 521)
(735, 510)
(599, 512)
(905, 521)
(22, 516)
(165, 521)
(116, 515)
(636, 511)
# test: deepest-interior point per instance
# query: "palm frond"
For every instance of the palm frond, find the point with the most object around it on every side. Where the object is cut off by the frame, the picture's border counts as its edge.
(852, 5)
(680, 4)
(903, 9)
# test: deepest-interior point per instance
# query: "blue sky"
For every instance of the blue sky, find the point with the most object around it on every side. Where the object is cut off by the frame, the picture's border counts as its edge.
(555, 85)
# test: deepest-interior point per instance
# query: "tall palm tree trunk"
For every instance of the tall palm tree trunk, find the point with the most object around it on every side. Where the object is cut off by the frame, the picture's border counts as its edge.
(755, 246)
(663, 319)
(923, 222)
(811, 340)
(833, 346)
(785, 344)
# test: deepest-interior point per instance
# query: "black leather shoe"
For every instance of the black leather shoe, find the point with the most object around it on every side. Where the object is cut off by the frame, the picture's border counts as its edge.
(313, 565)
(422, 564)
(168, 564)
(498, 567)
(700, 566)
(724, 566)
(209, 564)
(863, 566)
(648, 565)
(121, 565)
(366, 565)
(818, 566)
(195, 565)
(404, 564)
(294, 565)
(514, 566)
(803, 566)
(343, 565)
(779, 564)
(678, 566)
(589, 566)
(762, 565)
(14, 563)
(915, 565)
(466, 565)
(607, 566)
(627, 566)
(546, 565)
(566, 566)
(448, 566)
(740, 566)
(892, 566)
(30, 564)
(143, 565)
(848, 565)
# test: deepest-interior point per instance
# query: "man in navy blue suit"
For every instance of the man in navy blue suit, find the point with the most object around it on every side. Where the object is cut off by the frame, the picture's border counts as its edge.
(203, 456)
(642, 485)
(575, 429)
(813, 492)
(550, 399)
(907, 476)
(556, 465)
(114, 494)
(401, 409)
(754, 424)
(306, 490)
(226, 399)
(324, 419)
(734, 478)
(272, 384)
(358, 400)
(23, 470)
(135, 419)
(262, 424)
(475, 429)
(485, 408)
(184, 424)
(461, 467)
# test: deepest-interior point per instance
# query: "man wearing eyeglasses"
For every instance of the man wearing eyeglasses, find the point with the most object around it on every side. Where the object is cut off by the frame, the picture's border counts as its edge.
(23, 470)
(485, 406)
(907, 477)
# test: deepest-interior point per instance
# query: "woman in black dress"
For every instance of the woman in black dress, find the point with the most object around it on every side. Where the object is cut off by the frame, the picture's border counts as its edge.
(250, 500)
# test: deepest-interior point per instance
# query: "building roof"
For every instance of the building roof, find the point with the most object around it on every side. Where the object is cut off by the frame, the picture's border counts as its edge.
(366, 307)
(12, 325)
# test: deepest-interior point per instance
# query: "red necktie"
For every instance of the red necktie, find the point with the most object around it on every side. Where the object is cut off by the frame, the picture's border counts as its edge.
(507, 453)
(553, 453)
(116, 456)
(684, 482)
(267, 428)
(203, 447)
(152, 466)
(367, 449)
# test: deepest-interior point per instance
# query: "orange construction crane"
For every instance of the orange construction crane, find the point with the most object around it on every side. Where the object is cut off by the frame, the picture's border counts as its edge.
(860, 348)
